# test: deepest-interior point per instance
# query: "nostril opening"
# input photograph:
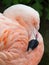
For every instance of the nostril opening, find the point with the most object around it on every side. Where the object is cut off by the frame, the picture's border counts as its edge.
(32, 44)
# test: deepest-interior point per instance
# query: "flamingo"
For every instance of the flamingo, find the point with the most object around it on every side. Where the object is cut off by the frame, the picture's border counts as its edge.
(20, 24)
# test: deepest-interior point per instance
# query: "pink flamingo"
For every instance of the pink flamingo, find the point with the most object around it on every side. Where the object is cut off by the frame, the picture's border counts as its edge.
(20, 24)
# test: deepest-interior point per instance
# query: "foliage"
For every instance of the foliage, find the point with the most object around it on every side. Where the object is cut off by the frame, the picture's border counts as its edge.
(47, 11)
(38, 7)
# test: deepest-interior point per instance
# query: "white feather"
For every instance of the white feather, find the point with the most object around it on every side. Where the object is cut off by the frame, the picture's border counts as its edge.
(26, 12)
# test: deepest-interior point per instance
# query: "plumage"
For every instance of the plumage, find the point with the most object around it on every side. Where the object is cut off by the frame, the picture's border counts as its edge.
(15, 33)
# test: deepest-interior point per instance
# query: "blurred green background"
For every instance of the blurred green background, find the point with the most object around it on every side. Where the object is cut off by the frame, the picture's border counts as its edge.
(42, 6)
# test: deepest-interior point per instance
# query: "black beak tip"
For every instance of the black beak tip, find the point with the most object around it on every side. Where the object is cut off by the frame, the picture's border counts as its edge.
(32, 44)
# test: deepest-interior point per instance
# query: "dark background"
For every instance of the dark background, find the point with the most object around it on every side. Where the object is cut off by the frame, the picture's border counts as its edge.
(42, 6)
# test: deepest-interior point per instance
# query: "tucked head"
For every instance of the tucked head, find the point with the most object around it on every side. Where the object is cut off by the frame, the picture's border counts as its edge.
(29, 15)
